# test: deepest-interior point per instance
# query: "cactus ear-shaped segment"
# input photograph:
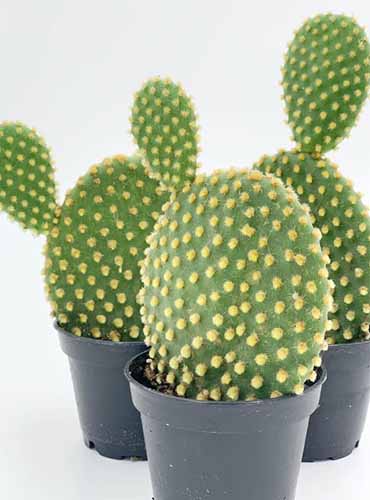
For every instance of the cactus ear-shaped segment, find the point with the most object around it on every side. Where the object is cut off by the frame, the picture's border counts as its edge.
(235, 295)
(337, 210)
(94, 253)
(27, 186)
(325, 80)
(164, 125)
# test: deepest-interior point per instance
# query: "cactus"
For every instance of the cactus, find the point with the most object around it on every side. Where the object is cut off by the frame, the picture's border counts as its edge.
(325, 81)
(165, 128)
(27, 185)
(95, 240)
(235, 291)
(236, 295)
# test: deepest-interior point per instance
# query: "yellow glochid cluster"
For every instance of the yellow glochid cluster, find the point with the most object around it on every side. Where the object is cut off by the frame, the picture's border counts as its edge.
(236, 291)
(94, 252)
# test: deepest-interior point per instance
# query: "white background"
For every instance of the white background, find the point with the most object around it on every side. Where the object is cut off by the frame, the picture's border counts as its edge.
(69, 68)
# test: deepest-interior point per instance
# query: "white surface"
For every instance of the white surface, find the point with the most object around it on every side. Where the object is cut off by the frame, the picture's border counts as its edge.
(69, 68)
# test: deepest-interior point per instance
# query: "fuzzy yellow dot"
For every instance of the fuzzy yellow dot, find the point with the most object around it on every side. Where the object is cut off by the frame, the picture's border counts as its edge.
(257, 382)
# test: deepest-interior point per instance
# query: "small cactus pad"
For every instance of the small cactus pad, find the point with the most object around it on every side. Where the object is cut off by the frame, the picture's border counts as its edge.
(325, 80)
(345, 226)
(27, 186)
(164, 126)
(236, 295)
(93, 254)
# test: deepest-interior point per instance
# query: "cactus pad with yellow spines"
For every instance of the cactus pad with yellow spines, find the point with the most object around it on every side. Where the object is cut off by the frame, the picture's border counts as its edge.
(337, 210)
(93, 254)
(325, 80)
(27, 185)
(236, 295)
(164, 125)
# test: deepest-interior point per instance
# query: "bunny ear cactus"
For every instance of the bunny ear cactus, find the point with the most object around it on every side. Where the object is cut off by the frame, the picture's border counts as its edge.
(95, 240)
(164, 125)
(93, 254)
(27, 185)
(345, 226)
(236, 295)
(325, 82)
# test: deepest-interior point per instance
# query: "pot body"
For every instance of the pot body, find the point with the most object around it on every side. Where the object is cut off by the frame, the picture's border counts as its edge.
(336, 427)
(216, 450)
(109, 421)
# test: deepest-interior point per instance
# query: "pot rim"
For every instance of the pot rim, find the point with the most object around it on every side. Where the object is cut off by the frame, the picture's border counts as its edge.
(321, 379)
(90, 340)
(349, 344)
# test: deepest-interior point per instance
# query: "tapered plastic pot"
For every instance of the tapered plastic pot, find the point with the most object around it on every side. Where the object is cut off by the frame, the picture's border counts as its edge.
(335, 429)
(200, 450)
(109, 421)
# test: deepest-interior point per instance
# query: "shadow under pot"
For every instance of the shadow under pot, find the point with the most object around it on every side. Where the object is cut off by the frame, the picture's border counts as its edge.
(219, 450)
(335, 429)
(109, 421)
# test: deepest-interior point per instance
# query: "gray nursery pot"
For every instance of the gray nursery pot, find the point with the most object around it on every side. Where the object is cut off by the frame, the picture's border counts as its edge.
(222, 450)
(110, 423)
(335, 429)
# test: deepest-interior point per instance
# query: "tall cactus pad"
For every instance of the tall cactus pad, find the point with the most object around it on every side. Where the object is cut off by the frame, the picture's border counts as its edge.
(325, 80)
(345, 225)
(235, 295)
(93, 255)
(27, 186)
(165, 128)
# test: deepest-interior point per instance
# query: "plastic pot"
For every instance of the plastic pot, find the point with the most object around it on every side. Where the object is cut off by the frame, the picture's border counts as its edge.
(203, 450)
(109, 421)
(335, 428)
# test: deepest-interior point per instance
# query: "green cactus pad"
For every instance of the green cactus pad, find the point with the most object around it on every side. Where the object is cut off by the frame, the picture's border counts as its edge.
(345, 226)
(325, 80)
(165, 128)
(27, 186)
(236, 295)
(93, 254)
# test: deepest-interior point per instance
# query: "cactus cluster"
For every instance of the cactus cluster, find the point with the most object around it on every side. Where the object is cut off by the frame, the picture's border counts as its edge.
(236, 294)
(325, 82)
